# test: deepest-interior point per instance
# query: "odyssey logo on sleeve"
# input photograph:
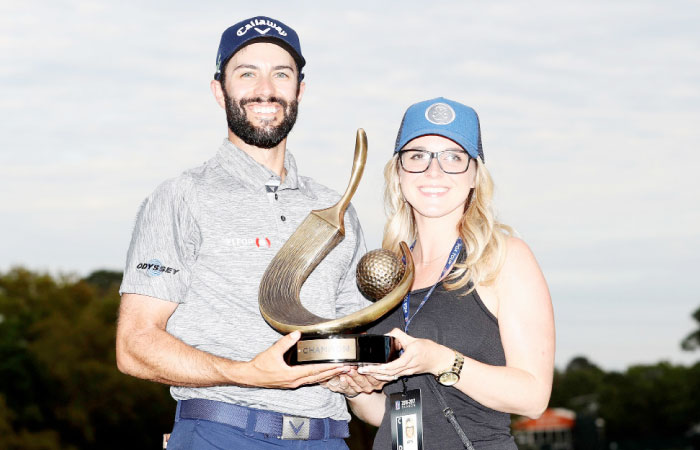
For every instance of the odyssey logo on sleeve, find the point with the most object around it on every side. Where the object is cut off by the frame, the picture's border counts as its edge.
(155, 268)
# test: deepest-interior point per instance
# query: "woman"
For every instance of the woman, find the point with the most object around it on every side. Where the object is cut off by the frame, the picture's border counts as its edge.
(477, 326)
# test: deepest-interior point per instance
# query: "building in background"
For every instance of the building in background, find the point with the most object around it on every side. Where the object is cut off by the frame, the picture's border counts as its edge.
(554, 430)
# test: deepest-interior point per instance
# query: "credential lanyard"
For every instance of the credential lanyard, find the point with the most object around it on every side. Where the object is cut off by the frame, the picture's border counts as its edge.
(406, 300)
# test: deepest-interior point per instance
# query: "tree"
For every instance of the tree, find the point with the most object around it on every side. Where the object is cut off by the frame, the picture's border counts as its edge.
(692, 341)
(578, 387)
(58, 368)
(22, 439)
(646, 406)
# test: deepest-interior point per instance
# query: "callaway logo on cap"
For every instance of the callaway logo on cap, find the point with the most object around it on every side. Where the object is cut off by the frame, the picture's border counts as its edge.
(258, 28)
(262, 26)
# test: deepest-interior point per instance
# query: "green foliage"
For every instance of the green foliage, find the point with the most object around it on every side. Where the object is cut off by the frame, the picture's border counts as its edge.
(577, 387)
(645, 406)
(692, 341)
(61, 387)
(23, 440)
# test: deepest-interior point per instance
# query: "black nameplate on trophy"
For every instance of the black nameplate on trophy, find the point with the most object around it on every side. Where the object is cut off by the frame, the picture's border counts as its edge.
(343, 348)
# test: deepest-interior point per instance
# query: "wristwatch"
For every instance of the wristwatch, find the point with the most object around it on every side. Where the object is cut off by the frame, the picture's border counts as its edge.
(450, 376)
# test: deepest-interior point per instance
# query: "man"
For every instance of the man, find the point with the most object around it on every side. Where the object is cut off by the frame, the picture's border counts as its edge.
(189, 313)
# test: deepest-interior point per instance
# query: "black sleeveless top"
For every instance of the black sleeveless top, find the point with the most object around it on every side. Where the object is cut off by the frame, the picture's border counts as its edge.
(461, 322)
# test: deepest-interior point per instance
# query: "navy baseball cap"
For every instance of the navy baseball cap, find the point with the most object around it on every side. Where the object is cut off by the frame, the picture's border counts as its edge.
(445, 118)
(258, 28)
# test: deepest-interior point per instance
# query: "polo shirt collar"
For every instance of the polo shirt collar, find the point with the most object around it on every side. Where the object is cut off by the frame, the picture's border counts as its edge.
(254, 175)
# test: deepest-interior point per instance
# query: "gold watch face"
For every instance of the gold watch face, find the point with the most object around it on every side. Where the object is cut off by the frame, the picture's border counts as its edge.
(448, 378)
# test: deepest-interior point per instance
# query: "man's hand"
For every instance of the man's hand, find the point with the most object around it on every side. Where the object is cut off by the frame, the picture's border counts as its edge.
(269, 370)
(353, 383)
(368, 407)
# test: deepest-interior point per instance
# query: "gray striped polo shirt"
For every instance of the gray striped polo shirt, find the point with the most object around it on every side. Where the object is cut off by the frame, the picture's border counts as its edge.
(204, 240)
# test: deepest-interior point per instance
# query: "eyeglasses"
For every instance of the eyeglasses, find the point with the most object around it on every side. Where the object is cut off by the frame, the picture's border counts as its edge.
(450, 161)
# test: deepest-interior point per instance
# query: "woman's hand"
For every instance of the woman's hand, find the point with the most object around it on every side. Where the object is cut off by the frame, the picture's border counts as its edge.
(419, 356)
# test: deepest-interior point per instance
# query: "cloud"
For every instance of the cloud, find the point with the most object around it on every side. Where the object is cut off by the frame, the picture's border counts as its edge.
(589, 113)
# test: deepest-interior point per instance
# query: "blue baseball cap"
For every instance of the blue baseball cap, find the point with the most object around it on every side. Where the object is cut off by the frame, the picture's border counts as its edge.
(445, 118)
(258, 28)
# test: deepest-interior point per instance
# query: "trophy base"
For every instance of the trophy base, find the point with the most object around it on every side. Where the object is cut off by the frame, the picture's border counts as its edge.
(357, 349)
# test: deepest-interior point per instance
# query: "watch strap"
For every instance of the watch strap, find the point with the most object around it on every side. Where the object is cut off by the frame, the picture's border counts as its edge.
(456, 367)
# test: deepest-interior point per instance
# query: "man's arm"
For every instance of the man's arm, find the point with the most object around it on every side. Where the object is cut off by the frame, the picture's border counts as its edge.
(146, 350)
(369, 407)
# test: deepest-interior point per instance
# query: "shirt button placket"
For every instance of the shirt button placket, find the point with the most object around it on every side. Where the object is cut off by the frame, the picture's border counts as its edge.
(282, 216)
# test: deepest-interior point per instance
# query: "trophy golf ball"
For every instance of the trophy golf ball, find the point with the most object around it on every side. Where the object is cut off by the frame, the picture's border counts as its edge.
(378, 272)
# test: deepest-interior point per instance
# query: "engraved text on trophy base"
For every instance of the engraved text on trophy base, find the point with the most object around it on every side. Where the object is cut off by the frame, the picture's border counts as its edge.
(324, 349)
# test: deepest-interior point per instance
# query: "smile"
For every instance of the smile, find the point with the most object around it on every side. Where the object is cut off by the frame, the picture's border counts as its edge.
(258, 109)
(433, 190)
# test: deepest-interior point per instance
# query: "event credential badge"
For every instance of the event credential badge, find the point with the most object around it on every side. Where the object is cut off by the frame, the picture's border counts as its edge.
(406, 420)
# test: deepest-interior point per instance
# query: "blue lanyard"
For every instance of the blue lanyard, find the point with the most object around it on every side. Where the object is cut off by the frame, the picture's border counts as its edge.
(406, 300)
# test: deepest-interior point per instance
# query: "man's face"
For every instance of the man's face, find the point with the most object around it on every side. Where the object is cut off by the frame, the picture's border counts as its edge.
(410, 429)
(261, 94)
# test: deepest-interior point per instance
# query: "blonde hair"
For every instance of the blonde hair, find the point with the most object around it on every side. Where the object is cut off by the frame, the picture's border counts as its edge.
(484, 237)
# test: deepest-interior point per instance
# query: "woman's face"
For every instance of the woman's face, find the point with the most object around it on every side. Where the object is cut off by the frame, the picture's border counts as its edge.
(434, 193)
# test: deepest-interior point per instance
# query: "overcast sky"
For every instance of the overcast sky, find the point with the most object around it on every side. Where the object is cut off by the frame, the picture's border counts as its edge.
(590, 117)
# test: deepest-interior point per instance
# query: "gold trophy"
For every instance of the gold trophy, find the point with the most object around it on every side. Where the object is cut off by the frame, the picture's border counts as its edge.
(379, 277)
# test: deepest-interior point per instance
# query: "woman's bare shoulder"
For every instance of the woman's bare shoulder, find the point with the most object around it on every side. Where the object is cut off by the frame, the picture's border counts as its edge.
(520, 267)
(517, 247)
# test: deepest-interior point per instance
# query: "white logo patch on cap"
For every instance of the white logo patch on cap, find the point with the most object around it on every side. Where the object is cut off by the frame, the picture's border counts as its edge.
(255, 23)
(440, 114)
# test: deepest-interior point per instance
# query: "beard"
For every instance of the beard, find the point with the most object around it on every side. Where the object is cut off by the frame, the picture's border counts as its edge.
(266, 136)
